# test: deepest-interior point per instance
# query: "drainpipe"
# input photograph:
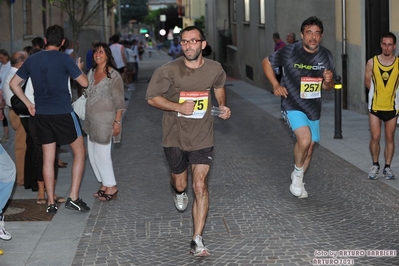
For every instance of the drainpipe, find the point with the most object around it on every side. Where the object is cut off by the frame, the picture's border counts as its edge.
(344, 57)
(215, 34)
(12, 26)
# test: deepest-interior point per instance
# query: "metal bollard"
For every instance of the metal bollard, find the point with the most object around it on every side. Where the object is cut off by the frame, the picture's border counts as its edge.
(338, 108)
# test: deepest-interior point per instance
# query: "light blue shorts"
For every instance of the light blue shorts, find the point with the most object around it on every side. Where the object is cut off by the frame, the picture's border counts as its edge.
(297, 119)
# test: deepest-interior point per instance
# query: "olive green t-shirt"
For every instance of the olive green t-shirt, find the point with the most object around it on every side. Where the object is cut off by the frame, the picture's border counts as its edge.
(177, 82)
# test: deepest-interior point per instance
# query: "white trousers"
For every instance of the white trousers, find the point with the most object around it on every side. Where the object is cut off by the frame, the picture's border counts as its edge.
(101, 162)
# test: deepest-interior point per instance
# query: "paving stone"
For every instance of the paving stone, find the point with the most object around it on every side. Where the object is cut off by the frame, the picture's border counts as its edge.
(253, 218)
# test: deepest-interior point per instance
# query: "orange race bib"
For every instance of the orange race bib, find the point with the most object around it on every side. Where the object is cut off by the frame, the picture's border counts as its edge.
(200, 98)
(311, 87)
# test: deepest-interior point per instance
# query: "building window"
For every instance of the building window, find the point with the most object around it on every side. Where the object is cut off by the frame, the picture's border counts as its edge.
(27, 17)
(246, 11)
(262, 12)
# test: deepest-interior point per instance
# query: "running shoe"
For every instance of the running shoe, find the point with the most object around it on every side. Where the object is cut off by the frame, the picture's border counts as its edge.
(52, 209)
(181, 201)
(131, 87)
(387, 173)
(77, 205)
(4, 235)
(197, 247)
(373, 174)
(4, 139)
(297, 187)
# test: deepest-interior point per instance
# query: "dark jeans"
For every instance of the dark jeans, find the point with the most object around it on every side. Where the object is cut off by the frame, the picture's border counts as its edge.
(29, 166)
(135, 76)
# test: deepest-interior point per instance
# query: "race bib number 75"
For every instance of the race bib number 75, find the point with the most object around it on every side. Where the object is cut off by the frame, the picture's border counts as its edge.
(311, 87)
(200, 99)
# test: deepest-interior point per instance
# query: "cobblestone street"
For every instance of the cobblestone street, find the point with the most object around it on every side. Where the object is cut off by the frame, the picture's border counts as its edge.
(253, 218)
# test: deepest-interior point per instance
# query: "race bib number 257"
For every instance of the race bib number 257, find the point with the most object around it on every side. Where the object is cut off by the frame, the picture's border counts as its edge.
(311, 87)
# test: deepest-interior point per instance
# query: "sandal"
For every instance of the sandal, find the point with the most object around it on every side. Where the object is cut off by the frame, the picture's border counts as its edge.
(59, 199)
(41, 201)
(99, 193)
(108, 197)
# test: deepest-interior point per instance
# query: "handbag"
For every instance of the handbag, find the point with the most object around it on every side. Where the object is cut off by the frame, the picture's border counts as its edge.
(79, 106)
(17, 105)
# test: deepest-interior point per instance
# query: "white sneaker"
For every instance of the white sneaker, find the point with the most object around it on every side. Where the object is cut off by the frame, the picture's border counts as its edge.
(197, 247)
(4, 235)
(297, 188)
(181, 201)
(388, 174)
(131, 87)
(4, 139)
(373, 174)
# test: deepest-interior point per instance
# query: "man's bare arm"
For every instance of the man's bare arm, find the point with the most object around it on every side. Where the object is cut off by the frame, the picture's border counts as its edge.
(368, 72)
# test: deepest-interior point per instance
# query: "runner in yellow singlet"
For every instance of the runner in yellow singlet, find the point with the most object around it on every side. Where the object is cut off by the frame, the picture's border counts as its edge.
(382, 80)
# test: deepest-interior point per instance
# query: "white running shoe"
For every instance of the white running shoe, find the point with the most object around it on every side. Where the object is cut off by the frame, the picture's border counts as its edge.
(387, 173)
(4, 235)
(373, 174)
(197, 247)
(297, 188)
(131, 87)
(181, 201)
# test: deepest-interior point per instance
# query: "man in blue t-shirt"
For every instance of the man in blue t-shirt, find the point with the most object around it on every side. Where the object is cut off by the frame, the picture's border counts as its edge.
(175, 49)
(307, 69)
(55, 121)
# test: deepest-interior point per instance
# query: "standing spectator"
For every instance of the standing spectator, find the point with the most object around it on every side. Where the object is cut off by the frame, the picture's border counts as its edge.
(27, 49)
(118, 53)
(291, 38)
(17, 60)
(67, 49)
(131, 65)
(278, 43)
(175, 49)
(104, 107)
(89, 56)
(5, 66)
(7, 180)
(382, 80)
(135, 50)
(55, 120)
(207, 52)
(187, 126)
(30, 129)
(38, 43)
(159, 47)
(141, 50)
(301, 108)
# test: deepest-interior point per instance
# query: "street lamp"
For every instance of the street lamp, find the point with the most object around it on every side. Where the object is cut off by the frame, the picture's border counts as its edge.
(176, 30)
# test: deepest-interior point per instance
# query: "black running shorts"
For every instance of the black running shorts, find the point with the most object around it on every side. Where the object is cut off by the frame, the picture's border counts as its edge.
(62, 129)
(384, 115)
(179, 160)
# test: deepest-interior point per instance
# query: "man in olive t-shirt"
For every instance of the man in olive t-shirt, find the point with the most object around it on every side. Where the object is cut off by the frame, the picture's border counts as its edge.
(182, 89)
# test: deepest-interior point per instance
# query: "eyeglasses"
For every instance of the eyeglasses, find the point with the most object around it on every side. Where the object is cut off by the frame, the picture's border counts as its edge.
(192, 41)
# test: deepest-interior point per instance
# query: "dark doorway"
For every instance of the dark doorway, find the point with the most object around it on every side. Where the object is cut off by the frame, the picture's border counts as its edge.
(377, 23)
